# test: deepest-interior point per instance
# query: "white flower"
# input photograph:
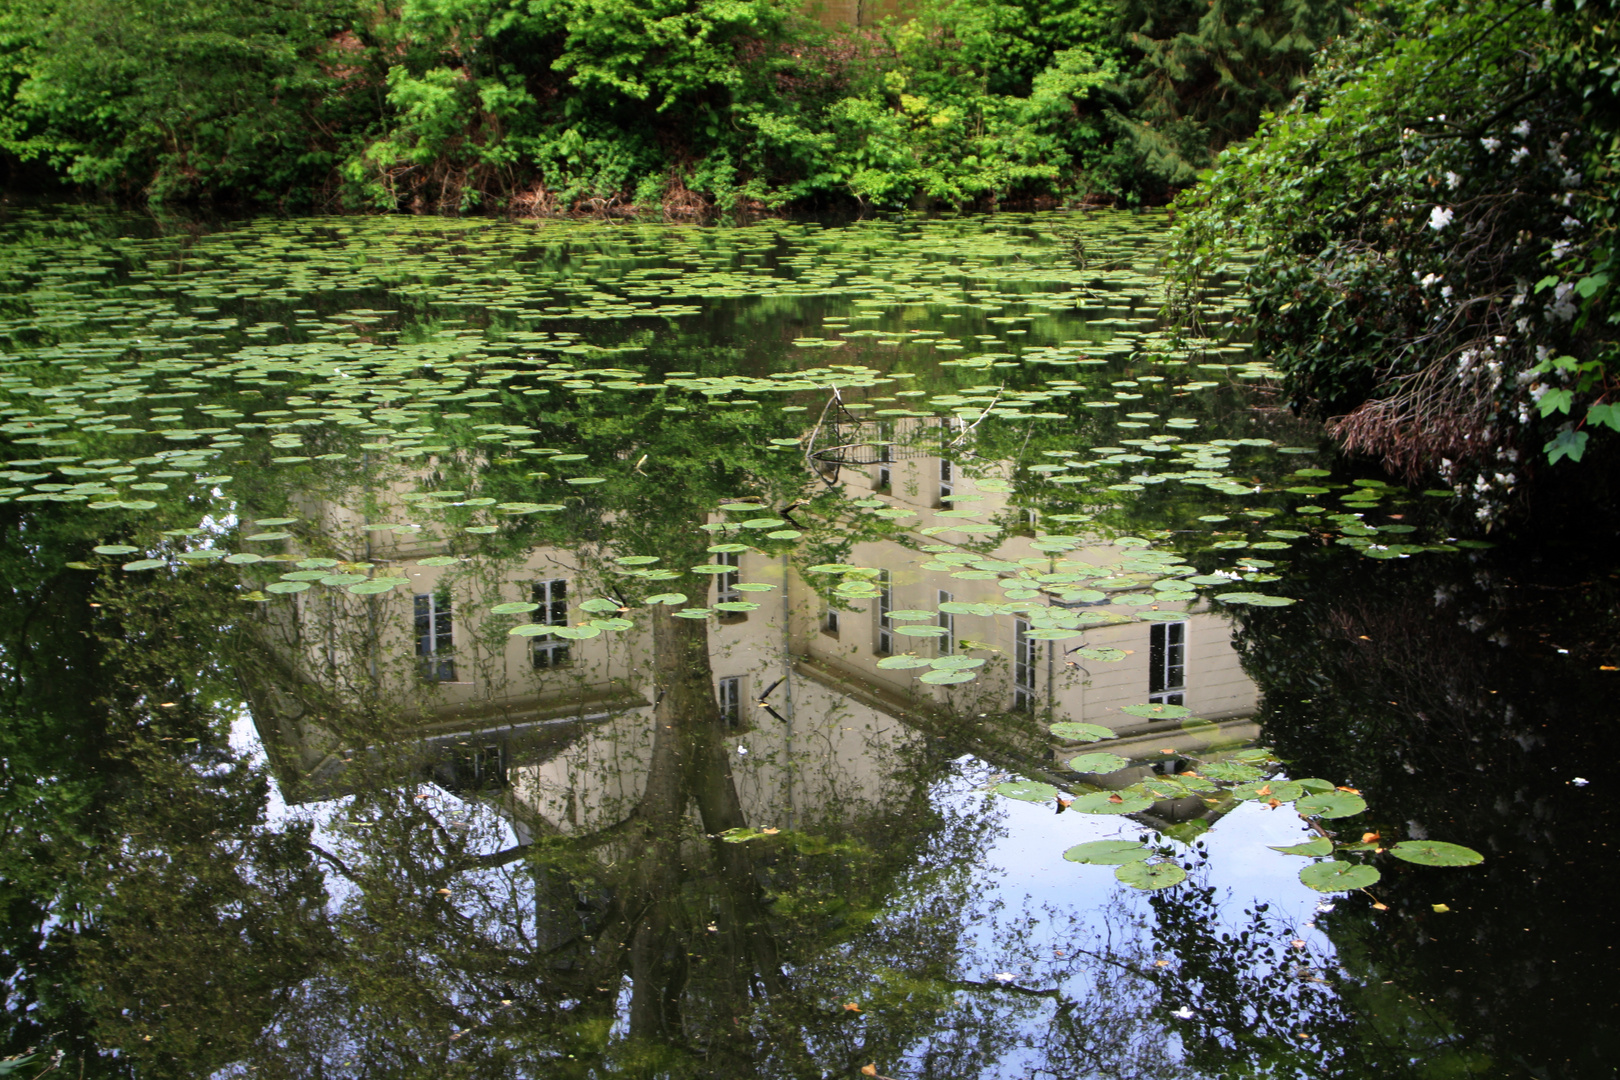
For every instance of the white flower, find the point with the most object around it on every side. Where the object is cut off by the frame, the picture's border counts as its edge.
(1440, 217)
(742, 751)
(1183, 1013)
(1519, 155)
(1572, 178)
(1428, 279)
(1562, 308)
(1522, 129)
(1452, 180)
(1445, 293)
(1580, 781)
(1570, 223)
(1491, 145)
(1561, 248)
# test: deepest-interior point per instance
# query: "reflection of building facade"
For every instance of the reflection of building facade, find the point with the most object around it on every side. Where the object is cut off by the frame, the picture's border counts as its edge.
(565, 720)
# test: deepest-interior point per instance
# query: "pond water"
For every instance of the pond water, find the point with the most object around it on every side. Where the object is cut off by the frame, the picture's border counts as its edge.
(464, 648)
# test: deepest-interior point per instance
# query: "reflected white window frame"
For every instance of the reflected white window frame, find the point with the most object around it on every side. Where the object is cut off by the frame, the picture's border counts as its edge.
(883, 644)
(1167, 663)
(1026, 660)
(552, 596)
(725, 585)
(728, 696)
(434, 621)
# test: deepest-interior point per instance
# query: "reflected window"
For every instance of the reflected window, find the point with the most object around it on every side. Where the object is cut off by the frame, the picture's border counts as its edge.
(730, 696)
(725, 585)
(1167, 663)
(552, 596)
(947, 640)
(947, 480)
(435, 644)
(829, 621)
(885, 604)
(1026, 651)
(885, 455)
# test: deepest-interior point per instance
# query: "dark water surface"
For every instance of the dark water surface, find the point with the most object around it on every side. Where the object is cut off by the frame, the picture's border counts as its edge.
(451, 648)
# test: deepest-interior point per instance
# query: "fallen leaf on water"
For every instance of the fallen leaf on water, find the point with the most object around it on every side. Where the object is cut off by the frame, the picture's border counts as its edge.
(868, 1070)
(1115, 799)
(850, 1006)
(1351, 790)
(1380, 907)
(1369, 837)
(1440, 909)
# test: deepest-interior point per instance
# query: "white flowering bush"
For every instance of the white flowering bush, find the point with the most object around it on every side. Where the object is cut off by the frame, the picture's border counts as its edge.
(1432, 216)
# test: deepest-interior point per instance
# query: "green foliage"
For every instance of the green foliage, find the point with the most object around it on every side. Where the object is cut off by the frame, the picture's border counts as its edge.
(1401, 207)
(626, 105)
(229, 97)
(1207, 72)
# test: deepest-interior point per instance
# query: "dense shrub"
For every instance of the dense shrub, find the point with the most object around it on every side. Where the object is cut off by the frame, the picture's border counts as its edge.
(1433, 221)
(634, 105)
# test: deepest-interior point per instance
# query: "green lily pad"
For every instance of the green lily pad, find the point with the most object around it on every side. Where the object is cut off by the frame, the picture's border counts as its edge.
(1254, 599)
(1157, 711)
(1072, 732)
(115, 549)
(1098, 763)
(1108, 852)
(1150, 876)
(667, 598)
(517, 607)
(1026, 790)
(902, 662)
(946, 677)
(145, 564)
(1331, 804)
(1338, 876)
(1112, 802)
(1436, 853)
(1314, 848)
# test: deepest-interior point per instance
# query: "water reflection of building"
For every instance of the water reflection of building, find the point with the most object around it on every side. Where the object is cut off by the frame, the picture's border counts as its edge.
(566, 724)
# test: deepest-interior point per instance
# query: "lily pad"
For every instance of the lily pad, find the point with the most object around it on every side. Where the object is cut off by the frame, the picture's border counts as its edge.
(517, 607)
(1338, 876)
(1026, 790)
(1314, 848)
(1331, 804)
(1112, 802)
(1108, 852)
(1072, 732)
(946, 677)
(1150, 876)
(1436, 853)
(1157, 711)
(1098, 763)
(902, 662)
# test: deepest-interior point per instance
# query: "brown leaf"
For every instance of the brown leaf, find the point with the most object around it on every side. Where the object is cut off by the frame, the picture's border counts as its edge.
(850, 1006)
(868, 1070)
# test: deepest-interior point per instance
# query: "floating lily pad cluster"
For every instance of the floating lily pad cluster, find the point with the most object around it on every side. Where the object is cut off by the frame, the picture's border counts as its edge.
(1221, 782)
